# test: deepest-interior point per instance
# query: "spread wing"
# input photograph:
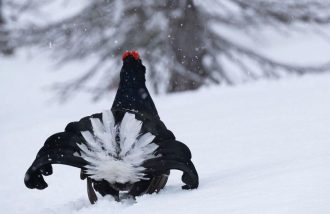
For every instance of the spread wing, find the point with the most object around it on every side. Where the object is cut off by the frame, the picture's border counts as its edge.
(60, 148)
(174, 155)
(65, 148)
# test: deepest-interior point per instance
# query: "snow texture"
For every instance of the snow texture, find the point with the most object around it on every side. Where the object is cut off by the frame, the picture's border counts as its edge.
(258, 148)
(113, 161)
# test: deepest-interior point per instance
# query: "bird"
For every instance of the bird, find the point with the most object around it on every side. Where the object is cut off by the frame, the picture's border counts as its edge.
(125, 149)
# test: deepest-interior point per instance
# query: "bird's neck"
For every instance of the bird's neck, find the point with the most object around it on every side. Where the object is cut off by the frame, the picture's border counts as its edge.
(132, 81)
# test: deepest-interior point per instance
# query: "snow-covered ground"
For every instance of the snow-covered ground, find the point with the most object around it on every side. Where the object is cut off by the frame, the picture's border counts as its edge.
(261, 147)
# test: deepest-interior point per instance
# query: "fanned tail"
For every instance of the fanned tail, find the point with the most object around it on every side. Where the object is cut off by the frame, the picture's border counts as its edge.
(113, 159)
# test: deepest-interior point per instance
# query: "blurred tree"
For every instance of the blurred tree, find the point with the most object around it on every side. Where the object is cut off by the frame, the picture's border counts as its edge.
(11, 13)
(5, 47)
(177, 39)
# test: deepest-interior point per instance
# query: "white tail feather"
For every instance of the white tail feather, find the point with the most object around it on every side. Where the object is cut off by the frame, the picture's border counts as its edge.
(116, 161)
(129, 132)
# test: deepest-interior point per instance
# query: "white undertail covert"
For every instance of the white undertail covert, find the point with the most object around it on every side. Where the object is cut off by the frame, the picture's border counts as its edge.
(115, 153)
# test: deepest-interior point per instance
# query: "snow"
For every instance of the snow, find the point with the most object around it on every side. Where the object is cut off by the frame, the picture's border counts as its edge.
(261, 147)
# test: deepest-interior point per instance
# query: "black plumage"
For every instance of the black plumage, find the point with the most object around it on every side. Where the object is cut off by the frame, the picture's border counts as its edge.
(133, 97)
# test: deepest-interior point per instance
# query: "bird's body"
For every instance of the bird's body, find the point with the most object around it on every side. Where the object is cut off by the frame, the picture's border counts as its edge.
(126, 149)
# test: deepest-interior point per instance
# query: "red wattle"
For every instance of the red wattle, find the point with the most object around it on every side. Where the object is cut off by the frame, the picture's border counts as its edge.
(135, 54)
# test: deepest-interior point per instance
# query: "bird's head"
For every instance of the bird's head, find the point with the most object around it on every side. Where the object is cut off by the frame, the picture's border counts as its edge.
(133, 71)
